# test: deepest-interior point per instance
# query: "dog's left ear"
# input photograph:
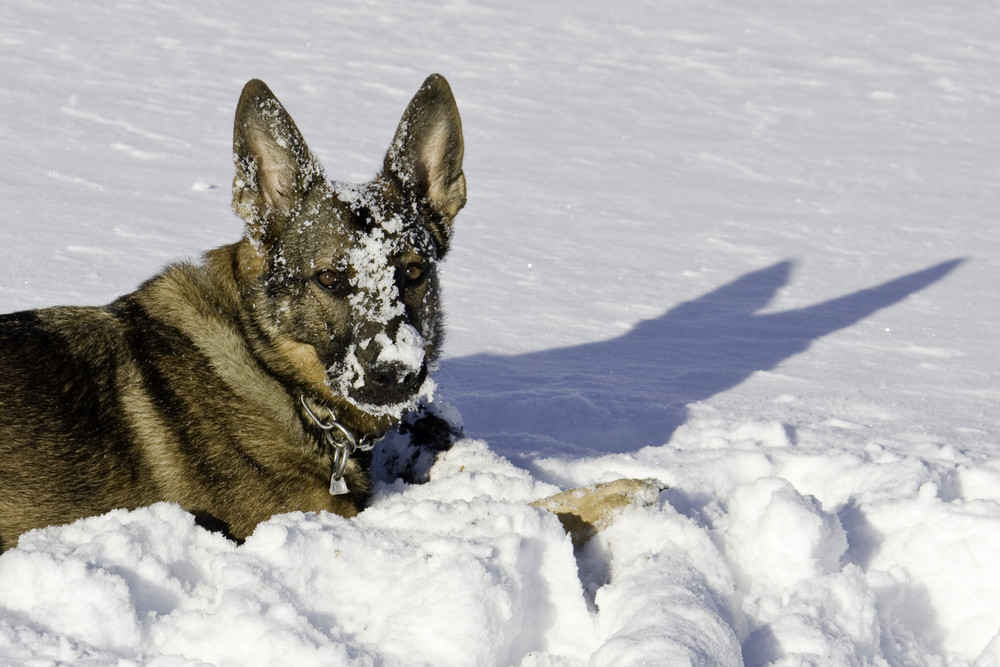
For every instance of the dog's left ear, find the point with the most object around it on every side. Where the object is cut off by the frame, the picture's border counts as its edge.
(274, 167)
(425, 158)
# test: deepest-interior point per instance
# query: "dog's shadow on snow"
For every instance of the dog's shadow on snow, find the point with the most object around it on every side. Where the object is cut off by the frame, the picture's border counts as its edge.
(632, 391)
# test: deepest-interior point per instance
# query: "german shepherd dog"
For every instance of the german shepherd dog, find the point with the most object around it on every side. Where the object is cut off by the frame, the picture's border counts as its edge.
(249, 384)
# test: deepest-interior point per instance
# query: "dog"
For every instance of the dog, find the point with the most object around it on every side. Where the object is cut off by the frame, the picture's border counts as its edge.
(256, 381)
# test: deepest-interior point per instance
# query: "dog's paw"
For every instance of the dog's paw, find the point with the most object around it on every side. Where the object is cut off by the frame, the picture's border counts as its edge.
(586, 511)
(429, 431)
(409, 452)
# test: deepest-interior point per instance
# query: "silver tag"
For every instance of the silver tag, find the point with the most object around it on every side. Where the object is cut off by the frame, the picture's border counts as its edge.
(338, 486)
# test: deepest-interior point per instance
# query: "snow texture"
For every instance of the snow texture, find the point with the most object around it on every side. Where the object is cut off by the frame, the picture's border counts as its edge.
(750, 250)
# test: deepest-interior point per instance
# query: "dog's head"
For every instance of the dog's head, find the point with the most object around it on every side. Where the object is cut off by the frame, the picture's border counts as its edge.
(339, 281)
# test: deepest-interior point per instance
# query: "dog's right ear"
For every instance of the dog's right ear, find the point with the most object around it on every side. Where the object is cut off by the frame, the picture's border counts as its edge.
(274, 167)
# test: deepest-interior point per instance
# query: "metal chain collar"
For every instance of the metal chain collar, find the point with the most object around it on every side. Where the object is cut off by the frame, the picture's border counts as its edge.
(342, 444)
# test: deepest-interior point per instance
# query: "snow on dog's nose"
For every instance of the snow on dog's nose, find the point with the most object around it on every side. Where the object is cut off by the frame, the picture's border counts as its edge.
(399, 362)
(385, 375)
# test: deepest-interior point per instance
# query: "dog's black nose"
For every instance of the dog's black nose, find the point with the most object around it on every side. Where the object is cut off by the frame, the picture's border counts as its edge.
(387, 376)
(390, 383)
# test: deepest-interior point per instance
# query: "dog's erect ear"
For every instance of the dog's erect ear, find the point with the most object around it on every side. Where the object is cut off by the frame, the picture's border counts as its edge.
(274, 167)
(425, 157)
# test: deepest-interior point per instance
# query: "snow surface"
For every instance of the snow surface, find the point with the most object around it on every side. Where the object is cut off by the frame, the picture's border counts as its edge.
(748, 249)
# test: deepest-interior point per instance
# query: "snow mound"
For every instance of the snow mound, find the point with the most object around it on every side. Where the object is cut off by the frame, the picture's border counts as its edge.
(738, 563)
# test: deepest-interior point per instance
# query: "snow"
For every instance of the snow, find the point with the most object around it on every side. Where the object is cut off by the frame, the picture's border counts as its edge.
(750, 251)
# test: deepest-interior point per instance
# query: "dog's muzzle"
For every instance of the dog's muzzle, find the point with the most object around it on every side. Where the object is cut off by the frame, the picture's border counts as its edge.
(394, 381)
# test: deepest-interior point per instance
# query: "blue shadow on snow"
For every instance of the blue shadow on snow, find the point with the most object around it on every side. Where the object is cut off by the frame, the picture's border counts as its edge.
(632, 391)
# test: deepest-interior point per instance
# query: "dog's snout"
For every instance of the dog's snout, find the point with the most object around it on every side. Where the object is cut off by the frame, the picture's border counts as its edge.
(387, 375)
(391, 382)
(392, 365)
(392, 378)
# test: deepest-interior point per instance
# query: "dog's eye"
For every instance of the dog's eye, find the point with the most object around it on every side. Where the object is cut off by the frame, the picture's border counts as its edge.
(330, 280)
(413, 274)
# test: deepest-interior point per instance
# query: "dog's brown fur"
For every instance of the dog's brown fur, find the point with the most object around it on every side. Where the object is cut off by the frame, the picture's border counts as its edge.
(191, 388)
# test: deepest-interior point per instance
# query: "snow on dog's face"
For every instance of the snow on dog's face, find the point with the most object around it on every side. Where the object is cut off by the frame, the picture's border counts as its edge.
(357, 281)
(342, 278)
(394, 302)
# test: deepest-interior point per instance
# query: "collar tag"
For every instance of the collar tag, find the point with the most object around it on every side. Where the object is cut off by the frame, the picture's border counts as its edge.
(338, 486)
